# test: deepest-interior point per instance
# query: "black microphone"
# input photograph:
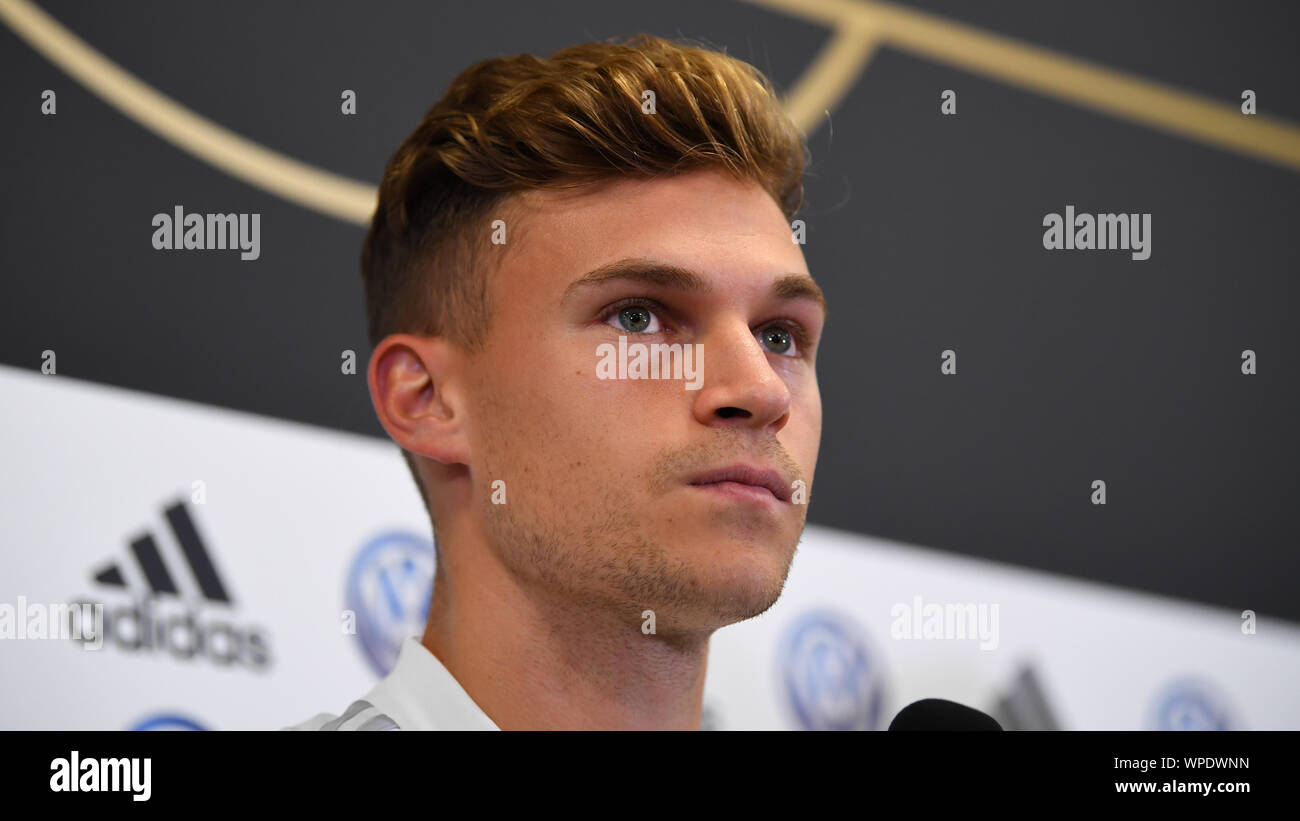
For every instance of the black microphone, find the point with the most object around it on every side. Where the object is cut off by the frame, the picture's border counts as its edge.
(938, 714)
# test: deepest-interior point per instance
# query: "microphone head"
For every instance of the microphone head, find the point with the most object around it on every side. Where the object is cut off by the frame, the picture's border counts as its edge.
(938, 714)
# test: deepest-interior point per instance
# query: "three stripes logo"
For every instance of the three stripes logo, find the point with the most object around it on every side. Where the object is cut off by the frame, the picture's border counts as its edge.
(151, 563)
(167, 617)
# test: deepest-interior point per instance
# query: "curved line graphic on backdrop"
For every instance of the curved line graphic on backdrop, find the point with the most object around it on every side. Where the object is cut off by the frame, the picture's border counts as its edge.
(858, 27)
(832, 73)
(257, 165)
(1069, 79)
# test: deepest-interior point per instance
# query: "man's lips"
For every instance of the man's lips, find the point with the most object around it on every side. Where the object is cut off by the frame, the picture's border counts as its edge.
(740, 477)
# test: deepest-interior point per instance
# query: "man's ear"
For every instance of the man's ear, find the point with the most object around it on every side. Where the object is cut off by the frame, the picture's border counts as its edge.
(416, 390)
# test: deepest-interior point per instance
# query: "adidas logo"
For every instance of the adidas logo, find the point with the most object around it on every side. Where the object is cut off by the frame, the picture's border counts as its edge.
(160, 581)
(163, 619)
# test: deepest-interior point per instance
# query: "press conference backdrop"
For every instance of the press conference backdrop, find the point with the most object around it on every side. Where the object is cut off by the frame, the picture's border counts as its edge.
(199, 463)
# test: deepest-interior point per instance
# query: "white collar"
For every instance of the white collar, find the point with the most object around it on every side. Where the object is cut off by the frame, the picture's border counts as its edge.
(421, 694)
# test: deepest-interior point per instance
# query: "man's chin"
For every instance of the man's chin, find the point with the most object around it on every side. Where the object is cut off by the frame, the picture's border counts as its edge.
(733, 604)
(738, 581)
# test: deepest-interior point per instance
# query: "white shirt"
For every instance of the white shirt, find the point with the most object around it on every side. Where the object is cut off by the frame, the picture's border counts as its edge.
(419, 694)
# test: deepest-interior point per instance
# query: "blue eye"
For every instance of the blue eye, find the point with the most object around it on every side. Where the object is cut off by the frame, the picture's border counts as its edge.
(778, 340)
(634, 319)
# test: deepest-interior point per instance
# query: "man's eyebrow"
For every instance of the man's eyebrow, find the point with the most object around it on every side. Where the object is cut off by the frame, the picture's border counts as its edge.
(633, 269)
(799, 286)
(641, 270)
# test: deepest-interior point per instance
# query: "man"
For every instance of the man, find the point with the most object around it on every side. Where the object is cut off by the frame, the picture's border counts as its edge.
(594, 341)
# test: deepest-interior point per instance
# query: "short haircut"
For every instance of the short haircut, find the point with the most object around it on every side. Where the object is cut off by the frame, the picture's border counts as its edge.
(582, 116)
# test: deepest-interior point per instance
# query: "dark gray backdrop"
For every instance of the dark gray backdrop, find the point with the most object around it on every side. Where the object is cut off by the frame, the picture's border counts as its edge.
(925, 232)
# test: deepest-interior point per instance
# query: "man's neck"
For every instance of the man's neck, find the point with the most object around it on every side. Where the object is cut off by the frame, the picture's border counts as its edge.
(532, 661)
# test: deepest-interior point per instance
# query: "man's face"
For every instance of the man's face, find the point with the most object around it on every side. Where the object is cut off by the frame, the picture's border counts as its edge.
(608, 498)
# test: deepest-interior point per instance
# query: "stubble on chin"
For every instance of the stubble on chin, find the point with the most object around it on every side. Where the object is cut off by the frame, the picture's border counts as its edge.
(605, 558)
